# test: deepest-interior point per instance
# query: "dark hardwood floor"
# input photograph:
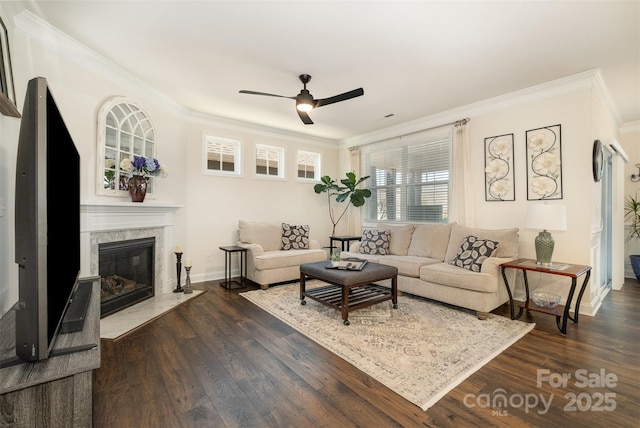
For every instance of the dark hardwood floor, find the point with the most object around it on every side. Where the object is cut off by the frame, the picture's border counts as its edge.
(220, 361)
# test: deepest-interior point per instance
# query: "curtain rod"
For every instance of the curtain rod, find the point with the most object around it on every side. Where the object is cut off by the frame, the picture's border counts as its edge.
(455, 123)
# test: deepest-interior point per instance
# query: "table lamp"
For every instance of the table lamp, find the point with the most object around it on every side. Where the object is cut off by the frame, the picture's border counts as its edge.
(545, 217)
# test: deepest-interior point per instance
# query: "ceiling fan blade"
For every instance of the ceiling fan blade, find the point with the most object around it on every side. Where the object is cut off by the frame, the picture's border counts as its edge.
(342, 97)
(305, 117)
(264, 93)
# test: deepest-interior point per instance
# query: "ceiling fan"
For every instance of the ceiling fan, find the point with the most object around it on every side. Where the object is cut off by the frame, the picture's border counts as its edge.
(305, 101)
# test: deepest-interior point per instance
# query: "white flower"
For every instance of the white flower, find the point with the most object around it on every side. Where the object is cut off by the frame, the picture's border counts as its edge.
(496, 168)
(500, 188)
(109, 163)
(126, 165)
(501, 147)
(546, 163)
(543, 186)
(539, 142)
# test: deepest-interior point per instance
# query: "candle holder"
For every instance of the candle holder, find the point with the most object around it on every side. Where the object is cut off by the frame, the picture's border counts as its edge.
(187, 286)
(178, 288)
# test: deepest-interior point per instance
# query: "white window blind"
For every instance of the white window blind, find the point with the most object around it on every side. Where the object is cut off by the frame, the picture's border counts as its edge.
(269, 161)
(308, 165)
(409, 181)
(222, 155)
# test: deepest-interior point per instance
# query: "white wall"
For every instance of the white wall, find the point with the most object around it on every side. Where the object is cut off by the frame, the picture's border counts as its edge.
(216, 203)
(9, 128)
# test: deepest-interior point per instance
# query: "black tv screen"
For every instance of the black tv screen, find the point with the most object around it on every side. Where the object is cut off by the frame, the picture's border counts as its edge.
(47, 222)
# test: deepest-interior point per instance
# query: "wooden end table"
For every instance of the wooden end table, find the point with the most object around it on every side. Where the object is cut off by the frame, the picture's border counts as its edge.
(561, 312)
(349, 289)
(345, 241)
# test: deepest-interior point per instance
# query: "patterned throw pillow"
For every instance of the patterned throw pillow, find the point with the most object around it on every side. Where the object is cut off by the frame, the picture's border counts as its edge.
(375, 242)
(295, 237)
(473, 251)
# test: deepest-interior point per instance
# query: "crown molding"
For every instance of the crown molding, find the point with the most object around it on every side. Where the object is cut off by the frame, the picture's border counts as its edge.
(53, 39)
(628, 127)
(50, 37)
(37, 29)
(578, 82)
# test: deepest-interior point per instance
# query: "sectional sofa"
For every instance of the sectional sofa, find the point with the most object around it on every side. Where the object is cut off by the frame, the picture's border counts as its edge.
(450, 263)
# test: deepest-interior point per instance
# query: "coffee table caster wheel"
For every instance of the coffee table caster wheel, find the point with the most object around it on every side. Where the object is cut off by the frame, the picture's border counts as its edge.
(395, 306)
(346, 322)
(303, 302)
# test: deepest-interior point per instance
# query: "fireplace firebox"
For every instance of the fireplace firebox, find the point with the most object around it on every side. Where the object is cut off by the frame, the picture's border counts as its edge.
(127, 273)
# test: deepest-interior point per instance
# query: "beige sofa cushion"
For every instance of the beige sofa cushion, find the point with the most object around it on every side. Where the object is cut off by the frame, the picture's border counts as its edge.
(507, 239)
(407, 265)
(430, 240)
(287, 258)
(453, 276)
(267, 235)
(400, 237)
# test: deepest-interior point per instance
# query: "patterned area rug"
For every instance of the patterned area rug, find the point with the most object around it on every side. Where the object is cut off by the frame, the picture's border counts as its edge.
(421, 350)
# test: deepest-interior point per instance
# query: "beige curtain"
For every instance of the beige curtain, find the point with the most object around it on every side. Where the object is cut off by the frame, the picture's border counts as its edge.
(355, 214)
(461, 209)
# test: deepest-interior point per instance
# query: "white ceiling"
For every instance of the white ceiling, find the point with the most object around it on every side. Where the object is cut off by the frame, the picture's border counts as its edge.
(413, 58)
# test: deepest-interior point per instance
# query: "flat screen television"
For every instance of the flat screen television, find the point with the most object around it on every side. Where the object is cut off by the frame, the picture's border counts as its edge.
(47, 222)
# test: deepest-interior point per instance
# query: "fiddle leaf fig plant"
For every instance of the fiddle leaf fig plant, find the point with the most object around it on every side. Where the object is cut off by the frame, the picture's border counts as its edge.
(347, 191)
(632, 214)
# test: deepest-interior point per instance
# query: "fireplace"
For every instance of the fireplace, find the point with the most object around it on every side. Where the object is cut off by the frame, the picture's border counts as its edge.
(126, 270)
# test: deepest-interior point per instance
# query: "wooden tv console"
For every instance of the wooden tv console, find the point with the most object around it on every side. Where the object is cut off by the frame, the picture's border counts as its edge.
(57, 391)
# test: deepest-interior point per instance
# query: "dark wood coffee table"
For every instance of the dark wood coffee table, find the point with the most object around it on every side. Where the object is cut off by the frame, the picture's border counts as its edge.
(349, 290)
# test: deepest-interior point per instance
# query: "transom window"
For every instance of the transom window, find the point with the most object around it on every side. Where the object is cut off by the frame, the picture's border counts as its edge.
(269, 161)
(124, 131)
(308, 165)
(409, 181)
(221, 156)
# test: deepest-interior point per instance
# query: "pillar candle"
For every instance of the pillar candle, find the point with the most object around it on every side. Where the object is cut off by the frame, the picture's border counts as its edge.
(187, 262)
(178, 249)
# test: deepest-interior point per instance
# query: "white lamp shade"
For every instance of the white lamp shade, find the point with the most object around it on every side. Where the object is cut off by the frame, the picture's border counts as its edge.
(546, 217)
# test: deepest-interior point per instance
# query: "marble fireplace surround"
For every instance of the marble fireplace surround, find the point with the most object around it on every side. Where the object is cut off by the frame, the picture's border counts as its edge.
(100, 223)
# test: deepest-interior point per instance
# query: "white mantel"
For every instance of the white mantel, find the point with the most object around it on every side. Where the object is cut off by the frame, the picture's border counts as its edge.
(101, 222)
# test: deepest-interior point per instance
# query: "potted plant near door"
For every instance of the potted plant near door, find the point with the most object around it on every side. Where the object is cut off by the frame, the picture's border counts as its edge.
(632, 215)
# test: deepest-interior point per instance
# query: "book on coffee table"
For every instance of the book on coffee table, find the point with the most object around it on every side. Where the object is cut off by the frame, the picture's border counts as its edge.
(348, 264)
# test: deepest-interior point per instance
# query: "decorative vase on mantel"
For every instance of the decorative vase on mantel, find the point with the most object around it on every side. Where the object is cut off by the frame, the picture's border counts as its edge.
(137, 188)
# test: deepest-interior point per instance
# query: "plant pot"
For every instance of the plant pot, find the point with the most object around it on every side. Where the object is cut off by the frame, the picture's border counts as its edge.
(635, 264)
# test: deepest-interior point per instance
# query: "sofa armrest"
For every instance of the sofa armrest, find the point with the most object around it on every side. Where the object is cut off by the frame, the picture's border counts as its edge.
(491, 265)
(314, 245)
(255, 249)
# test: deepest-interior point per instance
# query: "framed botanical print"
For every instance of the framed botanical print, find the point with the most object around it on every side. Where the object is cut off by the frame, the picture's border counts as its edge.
(544, 163)
(7, 90)
(498, 168)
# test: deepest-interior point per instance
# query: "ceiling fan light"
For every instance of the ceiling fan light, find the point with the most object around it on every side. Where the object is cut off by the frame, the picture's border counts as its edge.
(304, 106)
(304, 101)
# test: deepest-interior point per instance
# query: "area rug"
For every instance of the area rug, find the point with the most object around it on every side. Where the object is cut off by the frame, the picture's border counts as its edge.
(421, 350)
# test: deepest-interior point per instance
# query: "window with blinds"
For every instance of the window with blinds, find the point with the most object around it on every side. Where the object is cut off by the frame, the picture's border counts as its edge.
(222, 156)
(409, 181)
(308, 165)
(269, 161)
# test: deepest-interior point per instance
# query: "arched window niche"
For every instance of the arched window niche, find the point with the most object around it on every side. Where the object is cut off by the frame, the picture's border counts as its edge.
(124, 131)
